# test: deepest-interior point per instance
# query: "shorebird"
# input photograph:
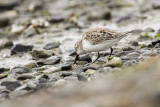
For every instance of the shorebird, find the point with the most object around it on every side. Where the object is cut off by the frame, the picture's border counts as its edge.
(96, 40)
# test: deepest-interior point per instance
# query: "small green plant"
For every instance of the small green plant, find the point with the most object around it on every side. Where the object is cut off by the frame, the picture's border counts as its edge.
(109, 58)
(146, 34)
(157, 35)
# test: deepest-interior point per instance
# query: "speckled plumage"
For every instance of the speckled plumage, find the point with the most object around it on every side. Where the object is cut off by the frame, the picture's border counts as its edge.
(100, 35)
(100, 39)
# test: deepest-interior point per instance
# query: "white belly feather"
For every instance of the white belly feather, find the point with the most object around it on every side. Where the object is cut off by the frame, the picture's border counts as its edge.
(88, 47)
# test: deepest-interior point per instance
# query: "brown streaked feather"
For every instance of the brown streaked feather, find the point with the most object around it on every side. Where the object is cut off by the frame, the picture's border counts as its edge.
(98, 35)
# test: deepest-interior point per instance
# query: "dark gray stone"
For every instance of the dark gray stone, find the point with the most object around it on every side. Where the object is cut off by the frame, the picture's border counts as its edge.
(20, 70)
(66, 73)
(82, 78)
(50, 61)
(57, 18)
(66, 67)
(89, 67)
(39, 54)
(134, 43)
(11, 85)
(51, 45)
(127, 48)
(85, 57)
(25, 76)
(1, 70)
(21, 48)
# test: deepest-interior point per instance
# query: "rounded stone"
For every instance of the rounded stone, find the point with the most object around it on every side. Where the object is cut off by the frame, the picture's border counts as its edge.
(60, 83)
(114, 62)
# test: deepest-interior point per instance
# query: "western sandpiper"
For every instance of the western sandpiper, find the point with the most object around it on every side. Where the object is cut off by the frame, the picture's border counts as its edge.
(96, 40)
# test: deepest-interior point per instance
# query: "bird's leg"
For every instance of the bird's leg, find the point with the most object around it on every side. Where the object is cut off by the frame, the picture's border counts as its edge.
(111, 51)
(96, 58)
(76, 58)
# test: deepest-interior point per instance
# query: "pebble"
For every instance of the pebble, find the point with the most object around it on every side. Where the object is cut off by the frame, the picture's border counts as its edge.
(127, 48)
(82, 78)
(85, 57)
(134, 43)
(60, 83)
(157, 45)
(66, 73)
(89, 67)
(51, 45)
(20, 70)
(25, 76)
(39, 54)
(155, 42)
(9, 4)
(50, 61)
(21, 48)
(66, 67)
(90, 71)
(31, 85)
(52, 70)
(3, 76)
(114, 62)
(11, 85)
(6, 44)
(1, 70)
(31, 65)
(57, 18)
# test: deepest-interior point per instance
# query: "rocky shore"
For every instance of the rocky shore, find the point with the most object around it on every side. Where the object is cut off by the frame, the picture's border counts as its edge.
(37, 39)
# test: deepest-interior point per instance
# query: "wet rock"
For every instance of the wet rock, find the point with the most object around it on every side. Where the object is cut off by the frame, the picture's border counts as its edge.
(21, 48)
(66, 67)
(85, 57)
(43, 79)
(3, 76)
(11, 85)
(31, 65)
(39, 54)
(50, 61)
(51, 45)
(6, 44)
(54, 77)
(30, 34)
(1, 70)
(25, 76)
(127, 48)
(20, 70)
(60, 83)
(114, 62)
(134, 43)
(82, 78)
(89, 67)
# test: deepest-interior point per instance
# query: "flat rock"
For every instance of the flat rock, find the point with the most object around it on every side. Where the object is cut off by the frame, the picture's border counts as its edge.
(21, 48)
(20, 70)
(11, 85)
(51, 45)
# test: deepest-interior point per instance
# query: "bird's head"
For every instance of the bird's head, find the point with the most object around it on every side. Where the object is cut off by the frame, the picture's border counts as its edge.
(78, 47)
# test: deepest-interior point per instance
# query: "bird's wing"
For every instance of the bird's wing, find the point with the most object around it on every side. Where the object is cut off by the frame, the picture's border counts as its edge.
(99, 35)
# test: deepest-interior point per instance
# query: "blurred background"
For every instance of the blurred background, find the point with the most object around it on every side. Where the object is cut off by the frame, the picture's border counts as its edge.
(37, 38)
